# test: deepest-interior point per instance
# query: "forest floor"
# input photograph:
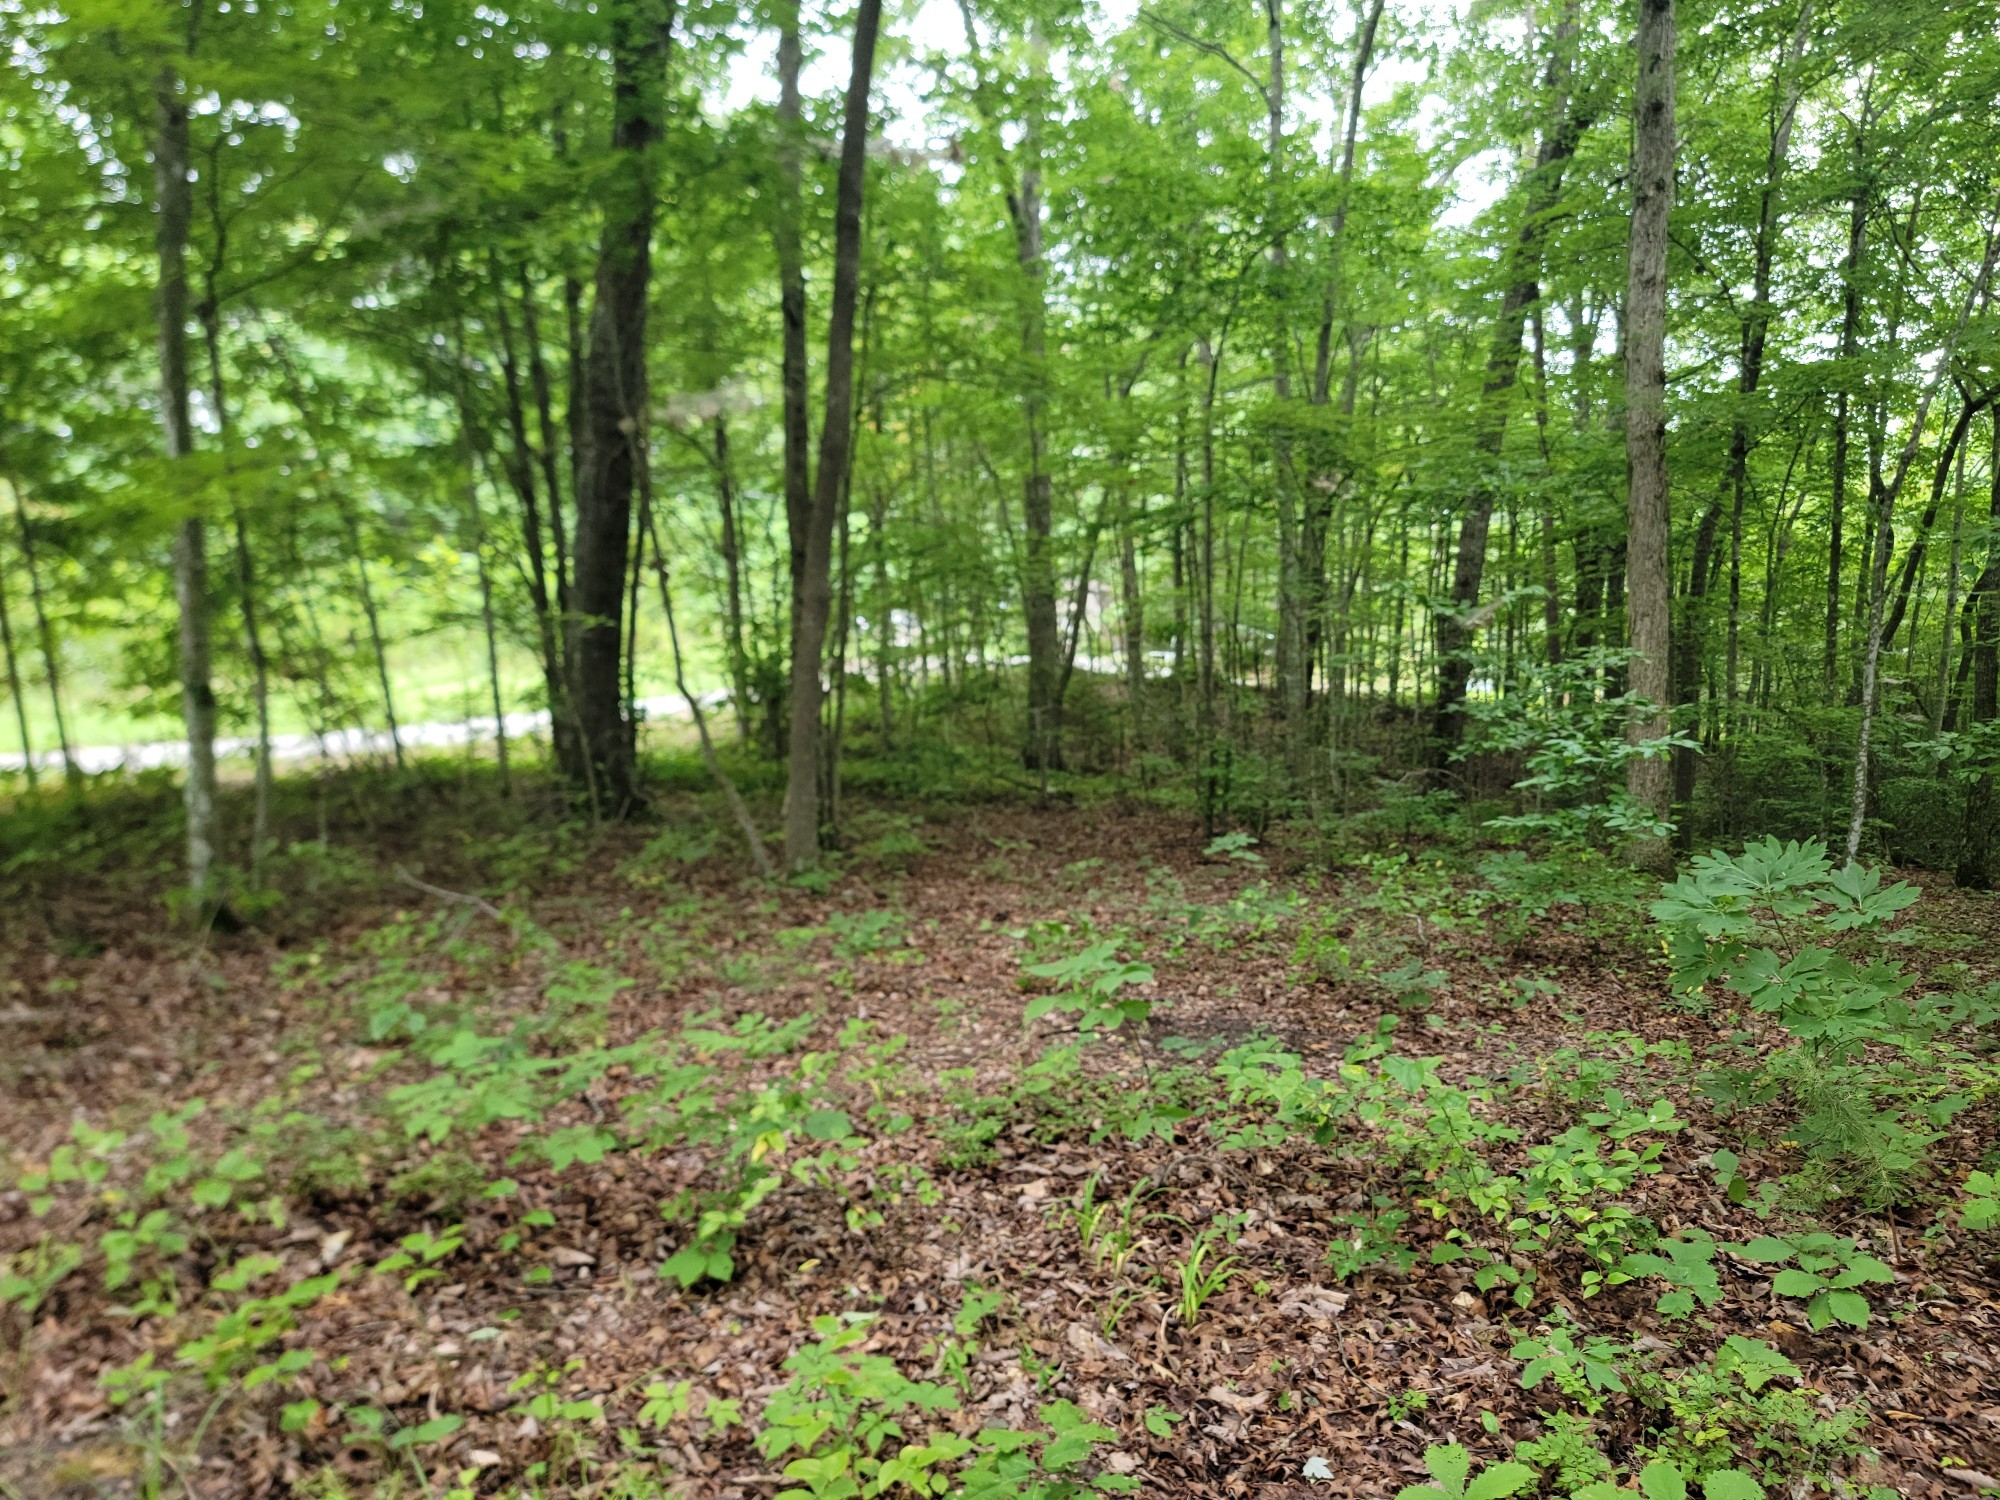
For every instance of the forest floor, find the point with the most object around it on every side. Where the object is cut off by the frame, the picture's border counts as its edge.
(947, 1174)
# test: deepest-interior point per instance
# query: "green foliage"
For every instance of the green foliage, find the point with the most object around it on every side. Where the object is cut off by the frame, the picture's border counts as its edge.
(1825, 1274)
(1451, 1468)
(1202, 1273)
(843, 1415)
(1982, 1202)
(1089, 985)
(1780, 927)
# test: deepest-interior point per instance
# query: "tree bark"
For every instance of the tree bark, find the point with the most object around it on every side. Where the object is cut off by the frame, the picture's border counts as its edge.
(1975, 861)
(1884, 512)
(1850, 340)
(45, 633)
(1649, 777)
(615, 401)
(14, 689)
(794, 375)
(732, 565)
(175, 210)
(1457, 627)
(836, 440)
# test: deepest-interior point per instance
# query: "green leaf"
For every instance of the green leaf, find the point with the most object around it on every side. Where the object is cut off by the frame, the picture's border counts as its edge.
(1663, 1481)
(1754, 1362)
(1731, 1484)
(1850, 1307)
(1796, 1283)
(432, 1431)
(828, 1125)
(1449, 1465)
(1501, 1480)
(1765, 1248)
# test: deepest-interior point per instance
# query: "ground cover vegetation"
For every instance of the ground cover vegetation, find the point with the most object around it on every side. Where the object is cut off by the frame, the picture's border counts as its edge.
(1002, 750)
(606, 1166)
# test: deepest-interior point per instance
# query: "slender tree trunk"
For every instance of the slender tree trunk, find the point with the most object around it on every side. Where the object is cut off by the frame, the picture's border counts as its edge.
(1975, 862)
(15, 690)
(45, 634)
(551, 440)
(648, 533)
(732, 566)
(1913, 560)
(836, 440)
(1131, 604)
(1884, 512)
(878, 548)
(615, 400)
(1044, 748)
(1290, 661)
(174, 197)
(1850, 342)
(486, 617)
(373, 614)
(1786, 88)
(1952, 581)
(1458, 627)
(246, 577)
(794, 377)
(1649, 777)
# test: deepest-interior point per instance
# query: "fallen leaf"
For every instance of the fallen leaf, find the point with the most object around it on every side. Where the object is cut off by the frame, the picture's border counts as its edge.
(1237, 1401)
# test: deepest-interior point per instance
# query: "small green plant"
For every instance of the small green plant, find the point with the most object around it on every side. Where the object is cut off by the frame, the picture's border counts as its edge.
(1451, 1468)
(1587, 1369)
(842, 1416)
(1238, 846)
(1109, 1229)
(1825, 1276)
(27, 1277)
(1798, 940)
(1373, 1241)
(1401, 1406)
(865, 934)
(1981, 1209)
(1089, 986)
(1201, 1276)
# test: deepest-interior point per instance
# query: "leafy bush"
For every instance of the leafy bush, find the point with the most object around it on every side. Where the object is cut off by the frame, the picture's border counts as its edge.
(1785, 931)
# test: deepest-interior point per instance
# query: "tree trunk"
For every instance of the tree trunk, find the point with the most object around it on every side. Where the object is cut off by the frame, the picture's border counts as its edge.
(486, 617)
(1787, 86)
(732, 565)
(1131, 605)
(1913, 560)
(175, 213)
(794, 377)
(1975, 860)
(15, 690)
(1649, 777)
(1850, 339)
(45, 634)
(246, 578)
(1292, 609)
(1038, 582)
(1884, 512)
(551, 444)
(615, 401)
(1458, 626)
(836, 440)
